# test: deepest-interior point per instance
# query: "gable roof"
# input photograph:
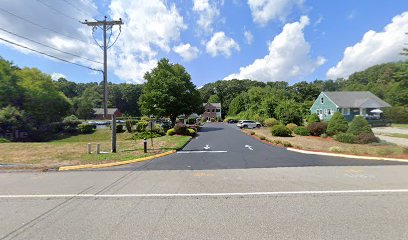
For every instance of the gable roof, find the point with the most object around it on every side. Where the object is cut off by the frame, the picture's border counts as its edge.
(356, 99)
(217, 105)
(111, 111)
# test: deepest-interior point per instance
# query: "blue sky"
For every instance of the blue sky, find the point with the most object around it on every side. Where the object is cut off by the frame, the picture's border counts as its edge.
(292, 40)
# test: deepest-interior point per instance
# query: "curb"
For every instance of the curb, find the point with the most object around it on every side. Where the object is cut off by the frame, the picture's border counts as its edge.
(346, 155)
(104, 165)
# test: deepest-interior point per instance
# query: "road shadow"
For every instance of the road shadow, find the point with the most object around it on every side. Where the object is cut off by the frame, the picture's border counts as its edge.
(209, 129)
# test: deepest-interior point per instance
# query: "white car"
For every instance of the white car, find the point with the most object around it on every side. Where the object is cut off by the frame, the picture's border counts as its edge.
(248, 124)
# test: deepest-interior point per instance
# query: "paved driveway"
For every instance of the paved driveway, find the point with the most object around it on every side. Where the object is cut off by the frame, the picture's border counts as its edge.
(223, 146)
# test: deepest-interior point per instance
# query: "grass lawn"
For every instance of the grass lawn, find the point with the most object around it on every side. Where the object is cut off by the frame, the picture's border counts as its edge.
(329, 145)
(398, 135)
(73, 150)
(400, 125)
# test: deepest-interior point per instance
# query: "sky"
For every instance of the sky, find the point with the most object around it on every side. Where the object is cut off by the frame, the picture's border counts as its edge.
(264, 40)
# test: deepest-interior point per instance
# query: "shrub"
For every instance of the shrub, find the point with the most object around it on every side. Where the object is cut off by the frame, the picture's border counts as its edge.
(142, 135)
(191, 132)
(141, 126)
(191, 120)
(281, 131)
(324, 135)
(4, 140)
(317, 128)
(86, 128)
(71, 123)
(145, 119)
(270, 122)
(291, 126)
(157, 129)
(262, 137)
(252, 133)
(365, 138)
(287, 144)
(337, 124)
(313, 118)
(397, 114)
(302, 131)
(119, 128)
(219, 119)
(181, 129)
(359, 125)
(345, 138)
(212, 119)
(171, 132)
(129, 125)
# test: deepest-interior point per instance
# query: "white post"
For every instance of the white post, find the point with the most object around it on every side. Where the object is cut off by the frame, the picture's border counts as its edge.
(89, 148)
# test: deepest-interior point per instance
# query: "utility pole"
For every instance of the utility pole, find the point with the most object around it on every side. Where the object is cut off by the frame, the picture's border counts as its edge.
(105, 26)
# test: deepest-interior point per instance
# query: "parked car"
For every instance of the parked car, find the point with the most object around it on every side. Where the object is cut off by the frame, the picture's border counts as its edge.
(165, 124)
(232, 121)
(248, 124)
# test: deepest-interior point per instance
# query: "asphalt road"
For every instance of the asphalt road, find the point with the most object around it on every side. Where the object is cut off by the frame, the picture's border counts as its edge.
(325, 199)
(224, 146)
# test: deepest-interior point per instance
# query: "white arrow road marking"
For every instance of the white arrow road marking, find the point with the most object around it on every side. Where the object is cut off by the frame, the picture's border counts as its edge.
(249, 147)
(206, 147)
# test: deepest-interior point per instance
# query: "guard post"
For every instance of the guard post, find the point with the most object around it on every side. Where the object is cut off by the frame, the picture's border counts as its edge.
(144, 145)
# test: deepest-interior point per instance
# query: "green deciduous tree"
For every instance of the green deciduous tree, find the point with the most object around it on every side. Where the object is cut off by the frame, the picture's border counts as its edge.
(169, 92)
(289, 111)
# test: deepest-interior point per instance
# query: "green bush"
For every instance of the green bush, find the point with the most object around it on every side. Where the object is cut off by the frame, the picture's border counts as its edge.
(181, 129)
(365, 138)
(345, 138)
(397, 114)
(359, 125)
(4, 140)
(141, 126)
(289, 111)
(129, 125)
(252, 133)
(142, 135)
(270, 122)
(191, 120)
(302, 131)
(291, 126)
(317, 128)
(145, 119)
(71, 123)
(119, 128)
(324, 135)
(281, 131)
(262, 137)
(191, 132)
(171, 132)
(212, 119)
(337, 124)
(313, 118)
(86, 128)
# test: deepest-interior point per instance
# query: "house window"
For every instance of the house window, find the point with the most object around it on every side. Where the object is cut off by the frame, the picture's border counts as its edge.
(319, 111)
(328, 111)
(345, 111)
(213, 110)
(208, 110)
(322, 100)
(218, 110)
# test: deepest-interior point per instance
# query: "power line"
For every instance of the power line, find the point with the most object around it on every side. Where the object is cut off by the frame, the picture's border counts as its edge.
(49, 55)
(56, 49)
(58, 11)
(77, 8)
(40, 26)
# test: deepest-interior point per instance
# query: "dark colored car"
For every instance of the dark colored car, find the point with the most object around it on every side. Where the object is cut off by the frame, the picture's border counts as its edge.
(232, 121)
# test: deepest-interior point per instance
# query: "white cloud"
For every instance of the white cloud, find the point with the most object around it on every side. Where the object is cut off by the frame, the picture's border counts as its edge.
(264, 11)
(207, 14)
(249, 37)
(288, 57)
(221, 44)
(56, 76)
(374, 48)
(150, 26)
(186, 51)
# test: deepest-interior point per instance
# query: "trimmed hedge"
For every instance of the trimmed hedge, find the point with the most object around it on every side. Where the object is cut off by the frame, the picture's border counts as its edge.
(171, 132)
(359, 125)
(365, 138)
(291, 126)
(270, 122)
(313, 118)
(86, 128)
(317, 128)
(281, 131)
(337, 124)
(120, 128)
(345, 138)
(141, 126)
(129, 125)
(301, 131)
